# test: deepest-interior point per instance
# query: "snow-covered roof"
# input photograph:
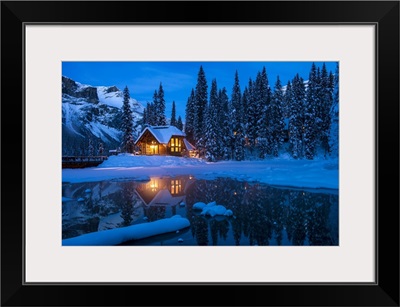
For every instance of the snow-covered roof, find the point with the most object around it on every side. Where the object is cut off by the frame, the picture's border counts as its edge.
(162, 133)
(163, 198)
(188, 145)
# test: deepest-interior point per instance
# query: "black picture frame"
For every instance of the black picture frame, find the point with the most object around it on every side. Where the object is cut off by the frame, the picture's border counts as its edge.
(383, 14)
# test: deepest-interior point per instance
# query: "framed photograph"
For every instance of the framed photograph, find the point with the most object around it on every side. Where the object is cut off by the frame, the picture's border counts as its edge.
(249, 147)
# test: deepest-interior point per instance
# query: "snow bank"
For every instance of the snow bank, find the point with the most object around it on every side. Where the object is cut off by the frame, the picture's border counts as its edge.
(212, 209)
(199, 205)
(129, 160)
(135, 232)
(279, 171)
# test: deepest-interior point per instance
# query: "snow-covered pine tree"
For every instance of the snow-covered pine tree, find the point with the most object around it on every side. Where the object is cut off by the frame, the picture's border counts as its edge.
(296, 121)
(334, 114)
(151, 119)
(263, 98)
(173, 115)
(159, 105)
(90, 148)
(100, 150)
(200, 107)
(130, 144)
(237, 119)
(325, 100)
(153, 108)
(245, 103)
(212, 132)
(127, 121)
(252, 116)
(287, 100)
(224, 124)
(144, 120)
(179, 123)
(189, 118)
(277, 123)
(311, 120)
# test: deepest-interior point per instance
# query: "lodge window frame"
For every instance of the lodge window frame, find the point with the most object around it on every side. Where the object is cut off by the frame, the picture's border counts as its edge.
(176, 144)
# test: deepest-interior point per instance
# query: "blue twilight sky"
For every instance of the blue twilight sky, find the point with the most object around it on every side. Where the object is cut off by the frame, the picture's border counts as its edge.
(178, 78)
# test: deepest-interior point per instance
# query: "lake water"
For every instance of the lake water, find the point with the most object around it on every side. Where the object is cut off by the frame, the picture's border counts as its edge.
(262, 214)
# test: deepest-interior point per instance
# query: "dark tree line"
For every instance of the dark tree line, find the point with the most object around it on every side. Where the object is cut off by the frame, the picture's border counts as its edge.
(261, 119)
(264, 215)
(154, 113)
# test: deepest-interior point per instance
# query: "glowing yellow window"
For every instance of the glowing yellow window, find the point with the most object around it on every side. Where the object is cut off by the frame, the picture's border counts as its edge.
(176, 145)
(176, 186)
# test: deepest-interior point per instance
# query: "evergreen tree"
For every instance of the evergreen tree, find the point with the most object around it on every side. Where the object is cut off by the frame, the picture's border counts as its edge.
(263, 98)
(287, 100)
(144, 121)
(127, 122)
(245, 103)
(189, 118)
(311, 126)
(252, 116)
(296, 121)
(237, 120)
(154, 108)
(277, 123)
(173, 115)
(159, 105)
(325, 99)
(334, 114)
(100, 149)
(212, 143)
(224, 122)
(90, 148)
(179, 123)
(151, 118)
(200, 106)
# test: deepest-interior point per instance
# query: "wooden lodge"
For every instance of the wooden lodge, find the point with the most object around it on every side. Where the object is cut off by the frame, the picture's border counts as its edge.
(164, 192)
(163, 141)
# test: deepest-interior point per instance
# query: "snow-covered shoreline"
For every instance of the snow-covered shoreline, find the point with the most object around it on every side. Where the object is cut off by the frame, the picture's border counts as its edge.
(280, 171)
(134, 232)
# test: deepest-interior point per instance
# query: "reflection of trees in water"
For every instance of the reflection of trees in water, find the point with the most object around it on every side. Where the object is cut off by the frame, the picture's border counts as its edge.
(263, 214)
(297, 221)
(96, 204)
(218, 229)
(126, 204)
(155, 213)
(79, 227)
(200, 230)
(319, 230)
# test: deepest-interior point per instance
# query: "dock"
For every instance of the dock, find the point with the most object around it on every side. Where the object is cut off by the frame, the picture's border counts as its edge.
(82, 161)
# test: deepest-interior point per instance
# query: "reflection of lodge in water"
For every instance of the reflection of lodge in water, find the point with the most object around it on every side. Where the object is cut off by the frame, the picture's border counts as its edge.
(164, 191)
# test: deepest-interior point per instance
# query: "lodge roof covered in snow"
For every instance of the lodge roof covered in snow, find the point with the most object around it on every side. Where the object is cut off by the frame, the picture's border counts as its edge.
(162, 133)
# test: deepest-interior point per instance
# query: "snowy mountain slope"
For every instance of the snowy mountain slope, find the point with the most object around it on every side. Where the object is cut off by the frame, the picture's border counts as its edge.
(92, 114)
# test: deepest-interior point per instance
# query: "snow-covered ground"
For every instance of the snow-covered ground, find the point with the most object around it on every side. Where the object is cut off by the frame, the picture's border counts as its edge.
(281, 171)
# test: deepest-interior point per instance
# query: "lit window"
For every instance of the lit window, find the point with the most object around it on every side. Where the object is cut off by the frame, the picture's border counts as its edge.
(176, 186)
(176, 145)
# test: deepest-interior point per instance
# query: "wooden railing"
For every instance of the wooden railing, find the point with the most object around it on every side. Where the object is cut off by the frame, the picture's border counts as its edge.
(82, 161)
(83, 158)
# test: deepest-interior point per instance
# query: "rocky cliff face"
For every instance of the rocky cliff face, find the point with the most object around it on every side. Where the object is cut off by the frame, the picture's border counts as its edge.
(70, 87)
(91, 117)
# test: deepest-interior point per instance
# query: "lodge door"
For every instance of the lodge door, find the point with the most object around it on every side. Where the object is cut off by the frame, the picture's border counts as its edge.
(155, 150)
